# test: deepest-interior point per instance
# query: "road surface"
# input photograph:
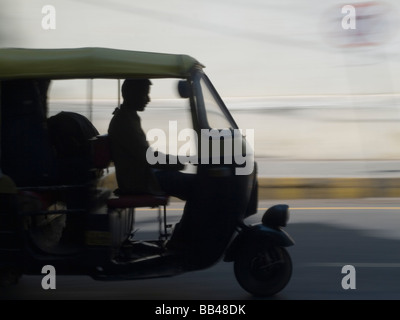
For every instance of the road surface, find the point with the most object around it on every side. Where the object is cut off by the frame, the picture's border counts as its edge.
(329, 234)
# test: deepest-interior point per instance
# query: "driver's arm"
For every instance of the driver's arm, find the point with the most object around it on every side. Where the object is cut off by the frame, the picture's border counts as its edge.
(169, 162)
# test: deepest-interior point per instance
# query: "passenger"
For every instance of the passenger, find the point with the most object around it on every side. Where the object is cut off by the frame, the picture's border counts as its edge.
(69, 134)
(129, 146)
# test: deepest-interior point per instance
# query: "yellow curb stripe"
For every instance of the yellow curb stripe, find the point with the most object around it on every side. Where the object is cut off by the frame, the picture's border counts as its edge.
(328, 188)
(313, 188)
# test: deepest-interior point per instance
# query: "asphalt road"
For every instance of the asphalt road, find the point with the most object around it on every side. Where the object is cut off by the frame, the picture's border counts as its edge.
(329, 234)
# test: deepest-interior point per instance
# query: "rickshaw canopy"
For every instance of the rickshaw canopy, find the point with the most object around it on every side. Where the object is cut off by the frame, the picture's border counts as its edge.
(91, 63)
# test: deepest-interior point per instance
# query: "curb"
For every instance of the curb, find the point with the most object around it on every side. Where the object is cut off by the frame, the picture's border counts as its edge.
(328, 188)
(313, 188)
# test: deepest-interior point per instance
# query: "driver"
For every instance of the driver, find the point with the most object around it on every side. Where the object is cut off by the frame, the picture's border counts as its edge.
(129, 146)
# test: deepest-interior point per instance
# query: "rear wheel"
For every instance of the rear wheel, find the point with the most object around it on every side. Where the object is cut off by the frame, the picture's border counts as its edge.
(46, 230)
(263, 271)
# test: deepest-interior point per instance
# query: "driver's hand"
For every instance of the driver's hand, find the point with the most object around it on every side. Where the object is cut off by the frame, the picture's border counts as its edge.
(172, 164)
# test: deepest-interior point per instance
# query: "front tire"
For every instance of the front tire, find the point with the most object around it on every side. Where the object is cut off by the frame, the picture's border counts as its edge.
(263, 271)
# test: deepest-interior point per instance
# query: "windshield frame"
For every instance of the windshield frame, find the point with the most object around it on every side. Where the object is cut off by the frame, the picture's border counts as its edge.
(201, 108)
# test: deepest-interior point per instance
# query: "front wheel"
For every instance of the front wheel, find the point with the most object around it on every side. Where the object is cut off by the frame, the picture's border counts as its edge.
(263, 271)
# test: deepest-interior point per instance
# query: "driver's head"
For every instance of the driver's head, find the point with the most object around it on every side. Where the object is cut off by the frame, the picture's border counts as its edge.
(135, 93)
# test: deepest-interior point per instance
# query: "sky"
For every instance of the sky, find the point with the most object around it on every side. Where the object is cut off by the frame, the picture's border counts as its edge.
(251, 48)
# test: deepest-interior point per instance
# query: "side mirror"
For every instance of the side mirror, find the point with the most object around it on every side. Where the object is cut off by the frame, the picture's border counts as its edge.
(183, 89)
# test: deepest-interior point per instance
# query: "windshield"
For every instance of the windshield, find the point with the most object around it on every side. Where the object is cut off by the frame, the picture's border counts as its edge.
(217, 116)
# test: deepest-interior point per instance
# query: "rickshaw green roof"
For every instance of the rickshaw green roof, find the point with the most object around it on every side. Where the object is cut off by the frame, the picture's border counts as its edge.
(76, 63)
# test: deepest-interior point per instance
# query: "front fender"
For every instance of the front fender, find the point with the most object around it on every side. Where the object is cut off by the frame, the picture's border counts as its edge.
(258, 235)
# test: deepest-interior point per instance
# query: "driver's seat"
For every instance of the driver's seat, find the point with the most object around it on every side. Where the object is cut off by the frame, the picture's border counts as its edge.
(101, 159)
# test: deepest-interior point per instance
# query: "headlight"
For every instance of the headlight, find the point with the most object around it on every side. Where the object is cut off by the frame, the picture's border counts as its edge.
(276, 216)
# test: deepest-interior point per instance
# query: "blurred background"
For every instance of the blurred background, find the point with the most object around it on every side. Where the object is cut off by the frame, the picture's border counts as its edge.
(309, 87)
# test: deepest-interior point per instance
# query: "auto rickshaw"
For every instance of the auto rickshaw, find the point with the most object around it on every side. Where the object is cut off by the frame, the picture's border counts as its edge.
(55, 211)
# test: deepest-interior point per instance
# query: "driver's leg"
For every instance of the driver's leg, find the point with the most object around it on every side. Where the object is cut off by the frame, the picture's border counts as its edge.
(176, 184)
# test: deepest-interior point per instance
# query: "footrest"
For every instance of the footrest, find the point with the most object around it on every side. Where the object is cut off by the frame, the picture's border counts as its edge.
(137, 201)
